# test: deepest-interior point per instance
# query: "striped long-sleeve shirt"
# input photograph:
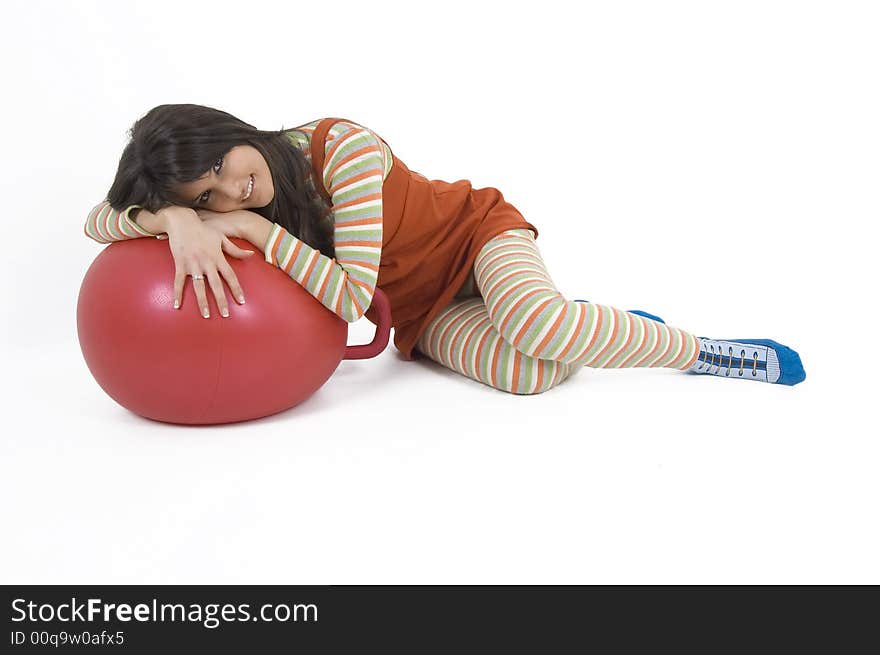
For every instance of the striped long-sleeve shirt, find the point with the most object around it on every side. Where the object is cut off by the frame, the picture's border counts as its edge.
(356, 164)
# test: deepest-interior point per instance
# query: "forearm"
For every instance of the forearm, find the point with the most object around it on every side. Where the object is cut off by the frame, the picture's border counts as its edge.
(106, 225)
(256, 229)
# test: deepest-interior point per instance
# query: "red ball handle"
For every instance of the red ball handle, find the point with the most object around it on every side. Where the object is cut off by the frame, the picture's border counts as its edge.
(383, 330)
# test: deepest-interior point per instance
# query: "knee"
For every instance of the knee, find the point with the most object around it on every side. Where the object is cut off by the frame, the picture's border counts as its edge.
(531, 376)
(540, 322)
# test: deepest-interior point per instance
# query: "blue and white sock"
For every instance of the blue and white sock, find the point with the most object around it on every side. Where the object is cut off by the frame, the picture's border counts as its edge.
(764, 360)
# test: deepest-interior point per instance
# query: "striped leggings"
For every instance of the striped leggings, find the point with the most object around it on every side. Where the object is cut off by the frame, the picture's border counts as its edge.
(517, 333)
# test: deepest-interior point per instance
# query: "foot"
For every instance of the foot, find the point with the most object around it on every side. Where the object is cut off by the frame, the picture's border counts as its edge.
(749, 359)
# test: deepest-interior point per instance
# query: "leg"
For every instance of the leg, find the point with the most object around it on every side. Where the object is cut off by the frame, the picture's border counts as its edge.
(530, 313)
(463, 338)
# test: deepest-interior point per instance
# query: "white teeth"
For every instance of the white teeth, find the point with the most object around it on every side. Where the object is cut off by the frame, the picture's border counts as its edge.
(250, 188)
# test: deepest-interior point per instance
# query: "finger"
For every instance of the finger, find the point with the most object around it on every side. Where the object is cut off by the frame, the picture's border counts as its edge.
(219, 296)
(232, 280)
(232, 249)
(201, 296)
(179, 281)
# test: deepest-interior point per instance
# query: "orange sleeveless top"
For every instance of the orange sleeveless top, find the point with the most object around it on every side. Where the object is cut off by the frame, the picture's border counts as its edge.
(432, 232)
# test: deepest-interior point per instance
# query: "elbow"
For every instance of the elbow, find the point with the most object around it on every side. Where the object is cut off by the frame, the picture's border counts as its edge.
(352, 317)
(93, 237)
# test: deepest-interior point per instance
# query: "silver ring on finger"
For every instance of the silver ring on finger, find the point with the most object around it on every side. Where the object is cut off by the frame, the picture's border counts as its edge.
(197, 276)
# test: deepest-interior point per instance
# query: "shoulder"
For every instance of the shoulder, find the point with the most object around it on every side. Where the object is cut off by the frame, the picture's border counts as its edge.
(342, 128)
(345, 139)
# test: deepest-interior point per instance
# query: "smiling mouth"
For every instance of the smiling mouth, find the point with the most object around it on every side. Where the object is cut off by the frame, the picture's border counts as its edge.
(250, 188)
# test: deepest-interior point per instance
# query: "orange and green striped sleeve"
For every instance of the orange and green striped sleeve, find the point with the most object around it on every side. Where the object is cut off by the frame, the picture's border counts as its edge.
(355, 166)
(105, 225)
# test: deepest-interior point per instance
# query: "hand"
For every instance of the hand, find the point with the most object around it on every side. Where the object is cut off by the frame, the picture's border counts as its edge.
(197, 248)
(230, 224)
(241, 223)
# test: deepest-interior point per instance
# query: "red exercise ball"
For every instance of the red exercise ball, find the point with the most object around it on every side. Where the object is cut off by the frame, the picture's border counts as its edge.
(173, 365)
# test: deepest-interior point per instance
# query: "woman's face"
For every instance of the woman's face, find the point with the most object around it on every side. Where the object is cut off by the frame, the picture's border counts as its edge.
(223, 188)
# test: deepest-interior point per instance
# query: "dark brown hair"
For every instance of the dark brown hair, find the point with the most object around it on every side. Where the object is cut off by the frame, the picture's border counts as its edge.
(176, 144)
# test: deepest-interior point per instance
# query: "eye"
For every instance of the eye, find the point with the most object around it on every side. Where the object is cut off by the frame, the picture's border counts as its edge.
(202, 198)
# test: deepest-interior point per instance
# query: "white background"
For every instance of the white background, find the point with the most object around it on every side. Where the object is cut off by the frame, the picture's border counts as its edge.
(712, 163)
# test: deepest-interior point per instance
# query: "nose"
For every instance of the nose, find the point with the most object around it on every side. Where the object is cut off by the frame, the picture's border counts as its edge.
(236, 190)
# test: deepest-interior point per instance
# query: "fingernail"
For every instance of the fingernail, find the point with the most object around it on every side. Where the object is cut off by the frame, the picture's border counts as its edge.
(224, 313)
(205, 313)
(241, 299)
(176, 305)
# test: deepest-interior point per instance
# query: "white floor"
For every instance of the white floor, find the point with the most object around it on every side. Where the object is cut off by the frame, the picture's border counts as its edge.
(716, 168)
(402, 472)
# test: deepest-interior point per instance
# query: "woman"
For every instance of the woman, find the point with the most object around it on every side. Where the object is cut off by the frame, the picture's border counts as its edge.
(331, 205)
